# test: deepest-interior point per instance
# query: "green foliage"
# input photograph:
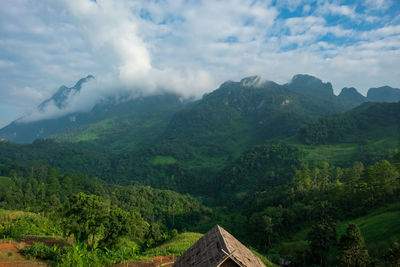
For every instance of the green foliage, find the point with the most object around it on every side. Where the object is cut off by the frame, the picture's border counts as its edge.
(37, 191)
(5, 181)
(88, 216)
(79, 254)
(41, 251)
(392, 256)
(259, 168)
(118, 223)
(322, 238)
(351, 247)
(14, 224)
(84, 217)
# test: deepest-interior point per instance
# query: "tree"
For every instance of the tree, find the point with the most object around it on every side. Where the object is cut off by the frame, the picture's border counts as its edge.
(392, 255)
(84, 216)
(88, 216)
(351, 248)
(322, 237)
(116, 225)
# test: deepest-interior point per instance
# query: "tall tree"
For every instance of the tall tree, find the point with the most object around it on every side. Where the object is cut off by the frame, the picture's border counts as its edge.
(322, 238)
(351, 248)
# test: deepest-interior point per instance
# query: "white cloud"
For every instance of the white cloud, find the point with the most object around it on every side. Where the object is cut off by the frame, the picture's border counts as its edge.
(384, 32)
(306, 30)
(29, 93)
(335, 9)
(378, 4)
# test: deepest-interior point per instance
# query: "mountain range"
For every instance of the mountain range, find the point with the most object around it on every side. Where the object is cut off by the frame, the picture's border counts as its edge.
(251, 103)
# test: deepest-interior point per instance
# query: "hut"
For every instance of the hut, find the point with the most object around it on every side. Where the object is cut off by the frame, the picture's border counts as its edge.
(218, 248)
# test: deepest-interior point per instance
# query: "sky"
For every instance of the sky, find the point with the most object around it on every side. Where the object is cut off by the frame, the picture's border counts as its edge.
(188, 47)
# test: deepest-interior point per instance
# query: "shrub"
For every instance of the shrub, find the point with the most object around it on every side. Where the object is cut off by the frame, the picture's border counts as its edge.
(41, 251)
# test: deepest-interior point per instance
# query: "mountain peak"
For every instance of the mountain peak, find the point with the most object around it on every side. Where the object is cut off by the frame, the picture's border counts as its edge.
(384, 94)
(352, 95)
(250, 81)
(63, 93)
(78, 85)
(304, 83)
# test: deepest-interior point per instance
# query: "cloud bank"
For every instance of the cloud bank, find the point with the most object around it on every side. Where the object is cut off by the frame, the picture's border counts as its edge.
(189, 47)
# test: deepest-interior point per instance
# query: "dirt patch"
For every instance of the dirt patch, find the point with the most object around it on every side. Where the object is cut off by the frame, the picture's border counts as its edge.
(10, 255)
(166, 261)
(9, 252)
(8, 247)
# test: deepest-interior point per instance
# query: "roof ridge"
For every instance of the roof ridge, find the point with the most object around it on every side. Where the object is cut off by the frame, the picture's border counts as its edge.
(220, 230)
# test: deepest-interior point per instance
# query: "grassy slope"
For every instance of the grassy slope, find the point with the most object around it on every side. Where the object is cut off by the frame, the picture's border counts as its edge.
(378, 228)
(119, 133)
(176, 246)
(343, 154)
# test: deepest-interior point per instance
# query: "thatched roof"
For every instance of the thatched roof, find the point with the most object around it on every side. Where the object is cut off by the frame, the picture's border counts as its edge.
(216, 247)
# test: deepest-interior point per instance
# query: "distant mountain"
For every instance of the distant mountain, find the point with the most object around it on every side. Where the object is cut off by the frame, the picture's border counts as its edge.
(114, 121)
(63, 93)
(351, 95)
(238, 113)
(384, 94)
(307, 84)
(26, 132)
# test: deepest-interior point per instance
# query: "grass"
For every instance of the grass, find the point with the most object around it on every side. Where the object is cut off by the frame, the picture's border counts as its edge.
(335, 154)
(344, 153)
(176, 246)
(379, 227)
(163, 160)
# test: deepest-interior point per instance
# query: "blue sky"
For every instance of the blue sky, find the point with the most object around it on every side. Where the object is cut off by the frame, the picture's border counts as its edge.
(188, 46)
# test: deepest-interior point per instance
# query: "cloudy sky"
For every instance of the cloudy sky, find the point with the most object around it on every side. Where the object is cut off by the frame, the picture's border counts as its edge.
(190, 46)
